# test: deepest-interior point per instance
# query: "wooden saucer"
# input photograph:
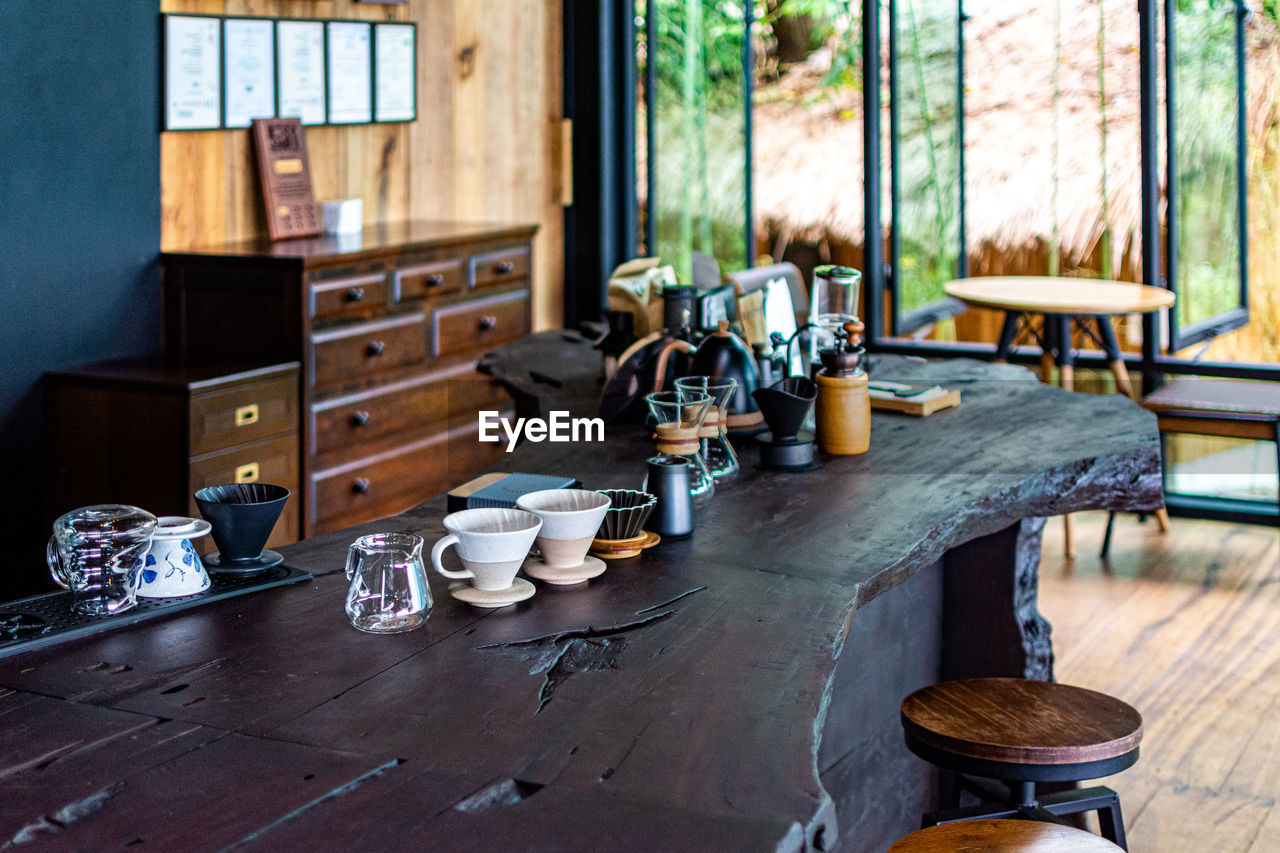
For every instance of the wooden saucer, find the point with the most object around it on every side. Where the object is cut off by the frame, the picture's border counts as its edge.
(519, 590)
(620, 549)
(589, 568)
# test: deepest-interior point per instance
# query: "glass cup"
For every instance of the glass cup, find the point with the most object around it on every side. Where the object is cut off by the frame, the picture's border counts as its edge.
(388, 592)
(680, 416)
(714, 435)
(97, 552)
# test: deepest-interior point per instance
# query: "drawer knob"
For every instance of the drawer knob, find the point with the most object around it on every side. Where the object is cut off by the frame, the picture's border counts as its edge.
(361, 485)
(488, 323)
(505, 267)
(435, 280)
(360, 418)
(247, 473)
(355, 294)
(376, 347)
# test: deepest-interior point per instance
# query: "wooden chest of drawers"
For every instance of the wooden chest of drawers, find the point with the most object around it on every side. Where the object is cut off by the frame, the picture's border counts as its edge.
(141, 433)
(387, 326)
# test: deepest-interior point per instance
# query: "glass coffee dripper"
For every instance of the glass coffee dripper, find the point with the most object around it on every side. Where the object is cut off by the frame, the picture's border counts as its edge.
(714, 434)
(680, 416)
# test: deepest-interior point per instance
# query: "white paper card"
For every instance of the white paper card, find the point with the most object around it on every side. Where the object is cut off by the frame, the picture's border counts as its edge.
(300, 66)
(249, 70)
(350, 73)
(192, 72)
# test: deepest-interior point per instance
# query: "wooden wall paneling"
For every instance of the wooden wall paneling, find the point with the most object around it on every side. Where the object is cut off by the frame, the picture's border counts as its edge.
(548, 310)
(193, 198)
(431, 185)
(489, 101)
(472, 52)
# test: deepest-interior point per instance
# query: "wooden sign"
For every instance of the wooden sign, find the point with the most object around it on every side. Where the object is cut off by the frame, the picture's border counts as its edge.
(286, 177)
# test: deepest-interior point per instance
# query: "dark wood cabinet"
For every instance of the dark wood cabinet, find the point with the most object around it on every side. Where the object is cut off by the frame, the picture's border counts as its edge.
(143, 433)
(387, 326)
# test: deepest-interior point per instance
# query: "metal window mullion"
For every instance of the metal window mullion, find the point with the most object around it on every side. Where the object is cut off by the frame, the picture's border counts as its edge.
(748, 128)
(1149, 156)
(651, 127)
(895, 184)
(1172, 223)
(873, 248)
(962, 258)
(1242, 177)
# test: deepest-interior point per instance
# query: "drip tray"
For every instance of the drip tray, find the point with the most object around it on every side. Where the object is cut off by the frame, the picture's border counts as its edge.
(45, 620)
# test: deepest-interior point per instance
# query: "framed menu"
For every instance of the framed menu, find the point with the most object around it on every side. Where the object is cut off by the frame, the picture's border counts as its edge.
(300, 70)
(395, 72)
(286, 177)
(350, 72)
(249, 70)
(192, 72)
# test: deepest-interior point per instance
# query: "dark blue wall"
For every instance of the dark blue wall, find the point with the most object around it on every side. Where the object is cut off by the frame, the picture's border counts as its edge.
(79, 223)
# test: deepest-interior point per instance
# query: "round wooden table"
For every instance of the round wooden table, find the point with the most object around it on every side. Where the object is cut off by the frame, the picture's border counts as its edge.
(1060, 301)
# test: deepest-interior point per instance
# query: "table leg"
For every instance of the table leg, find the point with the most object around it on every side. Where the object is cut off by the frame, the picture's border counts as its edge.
(1115, 359)
(1007, 333)
(1048, 346)
(1065, 357)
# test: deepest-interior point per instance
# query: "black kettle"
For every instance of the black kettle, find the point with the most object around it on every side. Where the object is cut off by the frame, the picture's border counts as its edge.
(724, 355)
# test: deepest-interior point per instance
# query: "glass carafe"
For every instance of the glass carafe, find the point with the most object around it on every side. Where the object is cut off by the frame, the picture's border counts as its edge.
(388, 592)
(97, 552)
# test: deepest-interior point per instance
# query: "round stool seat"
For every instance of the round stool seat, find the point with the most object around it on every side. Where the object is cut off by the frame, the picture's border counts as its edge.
(1002, 836)
(1019, 729)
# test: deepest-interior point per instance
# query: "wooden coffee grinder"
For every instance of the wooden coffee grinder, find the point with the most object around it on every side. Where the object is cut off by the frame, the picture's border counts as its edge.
(844, 407)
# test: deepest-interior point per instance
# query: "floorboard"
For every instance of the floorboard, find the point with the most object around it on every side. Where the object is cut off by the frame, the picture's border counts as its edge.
(1184, 626)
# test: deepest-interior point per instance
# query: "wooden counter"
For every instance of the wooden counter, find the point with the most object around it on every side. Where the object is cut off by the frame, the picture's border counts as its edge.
(737, 690)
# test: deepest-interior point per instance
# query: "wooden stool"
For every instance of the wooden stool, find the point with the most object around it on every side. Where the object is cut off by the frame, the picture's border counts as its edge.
(1002, 836)
(1023, 732)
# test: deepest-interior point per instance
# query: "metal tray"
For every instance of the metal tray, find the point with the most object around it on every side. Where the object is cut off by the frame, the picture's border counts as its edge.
(45, 620)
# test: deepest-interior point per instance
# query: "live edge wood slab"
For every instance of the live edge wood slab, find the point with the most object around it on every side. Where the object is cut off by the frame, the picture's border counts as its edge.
(736, 690)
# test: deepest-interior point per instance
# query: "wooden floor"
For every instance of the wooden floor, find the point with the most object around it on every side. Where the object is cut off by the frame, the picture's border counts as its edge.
(1185, 626)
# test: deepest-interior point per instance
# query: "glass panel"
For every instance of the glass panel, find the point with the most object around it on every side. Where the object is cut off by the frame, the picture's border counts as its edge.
(1204, 123)
(700, 146)
(927, 146)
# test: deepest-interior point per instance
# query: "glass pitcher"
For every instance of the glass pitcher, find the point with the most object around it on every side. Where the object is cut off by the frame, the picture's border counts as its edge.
(389, 592)
(96, 552)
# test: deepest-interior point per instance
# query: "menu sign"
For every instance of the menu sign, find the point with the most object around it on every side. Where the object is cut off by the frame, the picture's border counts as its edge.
(286, 177)
(350, 73)
(300, 64)
(394, 66)
(192, 80)
(250, 70)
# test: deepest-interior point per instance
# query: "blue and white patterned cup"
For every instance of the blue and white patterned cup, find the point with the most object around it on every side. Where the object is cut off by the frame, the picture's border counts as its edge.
(172, 568)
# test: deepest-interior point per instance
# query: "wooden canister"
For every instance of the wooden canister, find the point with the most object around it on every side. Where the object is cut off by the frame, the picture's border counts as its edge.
(843, 414)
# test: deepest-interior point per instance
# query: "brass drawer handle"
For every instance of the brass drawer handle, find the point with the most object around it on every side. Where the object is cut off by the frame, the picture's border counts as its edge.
(355, 294)
(435, 280)
(505, 267)
(488, 323)
(376, 347)
(247, 473)
(246, 415)
(360, 418)
(361, 485)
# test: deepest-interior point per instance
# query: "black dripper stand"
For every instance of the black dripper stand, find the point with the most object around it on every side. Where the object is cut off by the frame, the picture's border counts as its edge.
(242, 515)
(785, 405)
